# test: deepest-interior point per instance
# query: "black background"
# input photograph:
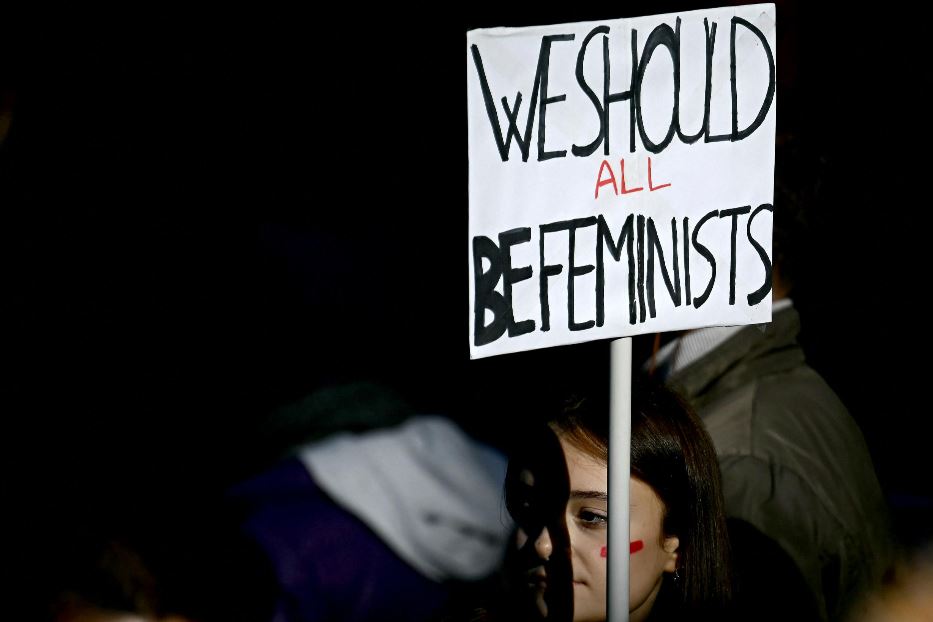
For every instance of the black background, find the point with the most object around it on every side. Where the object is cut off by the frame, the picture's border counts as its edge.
(199, 224)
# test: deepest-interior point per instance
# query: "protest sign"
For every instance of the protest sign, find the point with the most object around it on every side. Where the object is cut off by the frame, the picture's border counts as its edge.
(620, 177)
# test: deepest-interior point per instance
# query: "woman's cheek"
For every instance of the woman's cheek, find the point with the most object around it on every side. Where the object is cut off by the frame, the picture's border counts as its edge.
(641, 578)
(633, 547)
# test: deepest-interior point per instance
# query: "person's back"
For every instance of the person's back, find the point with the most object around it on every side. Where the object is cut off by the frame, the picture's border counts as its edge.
(385, 524)
(794, 462)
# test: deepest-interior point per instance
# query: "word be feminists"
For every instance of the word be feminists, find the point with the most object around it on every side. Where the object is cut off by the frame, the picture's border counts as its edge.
(644, 253)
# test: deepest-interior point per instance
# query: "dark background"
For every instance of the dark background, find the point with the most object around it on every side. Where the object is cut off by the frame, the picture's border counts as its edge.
(201, 224)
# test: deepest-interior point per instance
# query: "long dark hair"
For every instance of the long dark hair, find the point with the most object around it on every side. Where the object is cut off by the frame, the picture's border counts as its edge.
(672, 453)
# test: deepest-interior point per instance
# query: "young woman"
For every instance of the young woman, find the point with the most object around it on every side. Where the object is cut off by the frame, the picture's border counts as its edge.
(678, 543)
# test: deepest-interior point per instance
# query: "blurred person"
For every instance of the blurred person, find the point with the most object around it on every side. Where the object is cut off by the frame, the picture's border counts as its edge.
(794, 463)
(87, 613)
(907, 597)
(112, 582)
(179, 562)
(680, 565)
(378, 525)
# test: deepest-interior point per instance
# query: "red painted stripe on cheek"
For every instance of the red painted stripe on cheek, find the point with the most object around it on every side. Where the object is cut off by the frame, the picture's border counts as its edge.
(633, 547)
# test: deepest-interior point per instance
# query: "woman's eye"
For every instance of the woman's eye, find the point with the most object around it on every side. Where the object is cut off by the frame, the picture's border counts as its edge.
(592, 519)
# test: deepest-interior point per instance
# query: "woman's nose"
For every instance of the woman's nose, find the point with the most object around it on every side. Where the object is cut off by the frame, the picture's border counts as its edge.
(543, 545)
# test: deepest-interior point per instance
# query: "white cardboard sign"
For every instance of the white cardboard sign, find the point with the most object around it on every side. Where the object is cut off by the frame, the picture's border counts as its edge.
(620, 177)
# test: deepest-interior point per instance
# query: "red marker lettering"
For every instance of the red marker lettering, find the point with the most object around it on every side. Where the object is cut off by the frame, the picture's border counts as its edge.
(651, 186)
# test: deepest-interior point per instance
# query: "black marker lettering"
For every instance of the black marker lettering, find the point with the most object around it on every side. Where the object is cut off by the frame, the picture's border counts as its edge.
(575, 271)
(734, 213)
(641, 267)
(547, 270)
(544, 61)
(523, 140)
(687, 299)
(615, 249)
(769, 96)
(661, 35)
(586, 150)
(654, 242)
(484, 294)
(704, 126)
(699, 300)
(510, 275)
(758, 295)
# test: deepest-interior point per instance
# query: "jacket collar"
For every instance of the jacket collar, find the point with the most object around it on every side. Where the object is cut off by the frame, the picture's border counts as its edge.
(752, 352)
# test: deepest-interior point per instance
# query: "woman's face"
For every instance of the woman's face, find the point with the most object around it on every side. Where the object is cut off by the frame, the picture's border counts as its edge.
(537, 497)
(533, 539)
(587, 524)
(651, 552)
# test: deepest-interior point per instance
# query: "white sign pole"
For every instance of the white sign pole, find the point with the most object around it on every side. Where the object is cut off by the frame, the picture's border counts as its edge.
(620, 448)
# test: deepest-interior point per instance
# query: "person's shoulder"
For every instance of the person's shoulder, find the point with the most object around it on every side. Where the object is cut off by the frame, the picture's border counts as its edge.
(796, 427)
(799, 405)
(800, 382)
(782, 416)
(758, 401)
(744, 414)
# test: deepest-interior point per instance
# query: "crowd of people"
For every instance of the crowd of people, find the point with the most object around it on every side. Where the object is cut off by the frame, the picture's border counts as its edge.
(415, 520)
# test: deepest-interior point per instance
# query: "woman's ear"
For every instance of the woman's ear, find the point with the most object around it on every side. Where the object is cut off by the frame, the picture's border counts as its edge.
(670, 546)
